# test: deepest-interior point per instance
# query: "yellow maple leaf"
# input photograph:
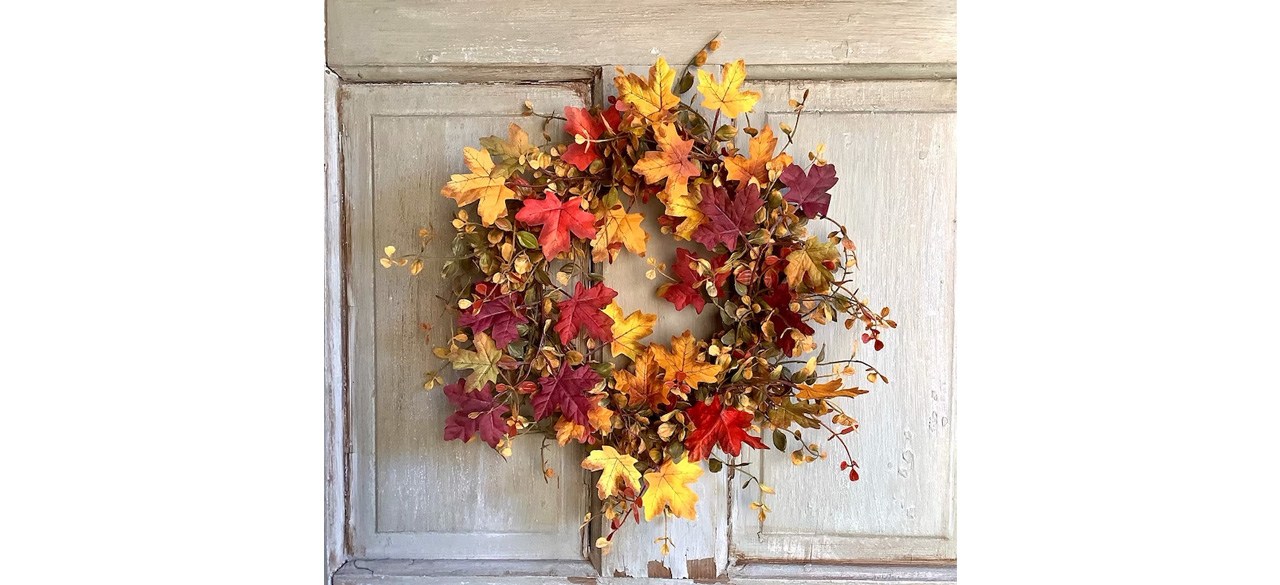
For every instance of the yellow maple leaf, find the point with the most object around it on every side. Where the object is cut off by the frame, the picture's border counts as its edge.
(642, 386)
(651, 100)
(620, 229)
(684, 364)
(804, 266)
(755, 169)
(684, 205)
(828, 389)
(727, 95)
(484, 184)
(668, 487)
(628, 331)
(670, 162)
(613, 467)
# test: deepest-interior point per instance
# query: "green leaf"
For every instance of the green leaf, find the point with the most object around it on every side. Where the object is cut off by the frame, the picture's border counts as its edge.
(779, 440)
(528, 240)
(686, 83)
(714, 465)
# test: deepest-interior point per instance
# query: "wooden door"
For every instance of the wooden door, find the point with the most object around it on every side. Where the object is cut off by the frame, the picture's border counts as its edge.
(412, 82)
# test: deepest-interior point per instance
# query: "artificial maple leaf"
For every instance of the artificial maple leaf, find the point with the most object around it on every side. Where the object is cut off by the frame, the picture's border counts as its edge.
(557, 219)
(652, 100)
(580, 122)
(828, 389)
(583, 310)
(684, 207)
(714, 424)
(484, 184)
(484, 361)
(567, 430)
(476, 414)
(784, 318)
(805, 265)
(614, 467)
(566, 391)
(727, 95)
(600, 419)
(670, 162)
(687, 289)
(756, 168)
(498, 317)
(668, 488)
(727, 218)
(810, 191)
(643, 385)
(628, 331)
(684, 366)
(620, 229)
(513, 151)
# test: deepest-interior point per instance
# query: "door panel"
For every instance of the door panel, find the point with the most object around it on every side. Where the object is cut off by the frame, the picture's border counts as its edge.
(893, 145)
(414, 495)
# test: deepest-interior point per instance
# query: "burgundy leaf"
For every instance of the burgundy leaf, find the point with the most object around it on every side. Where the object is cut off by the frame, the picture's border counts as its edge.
(476, 413)
(810, 191)
(498, 317)
(727, 217)
(784, 318)
(566, 391)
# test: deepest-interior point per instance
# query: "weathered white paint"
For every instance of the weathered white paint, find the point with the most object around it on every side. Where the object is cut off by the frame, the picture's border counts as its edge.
(335, 503)
(398, 143)
(412, 494)
(409, 33)
(432, 572)
(893, 146)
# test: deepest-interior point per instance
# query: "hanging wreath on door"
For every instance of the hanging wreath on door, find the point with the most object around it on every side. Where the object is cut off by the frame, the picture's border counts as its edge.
(548, 349)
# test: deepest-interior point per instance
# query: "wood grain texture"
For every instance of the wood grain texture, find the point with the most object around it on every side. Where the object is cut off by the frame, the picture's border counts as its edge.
(893, 144)
(335, 477)
(412, 494)
(418, 572)
(405, 33)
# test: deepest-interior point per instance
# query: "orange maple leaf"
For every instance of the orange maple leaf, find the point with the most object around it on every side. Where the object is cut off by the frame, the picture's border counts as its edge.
(670, 162)
(683, 365)
(828, 389)
(484, 183)
(642, 386)
(755, 169)
(620, 229)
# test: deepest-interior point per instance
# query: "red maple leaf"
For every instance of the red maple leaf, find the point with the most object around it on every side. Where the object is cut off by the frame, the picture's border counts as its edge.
(727, 217)
(476, 413)
(557, 220)
(687, 290)
(716, 425)
(783, 318)
(580, 121)
(498, 317)
(585, 310)
(809, 191)
(566, 391)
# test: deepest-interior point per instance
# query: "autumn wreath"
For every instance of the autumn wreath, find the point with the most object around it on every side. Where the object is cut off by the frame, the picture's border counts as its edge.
(567, 362)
